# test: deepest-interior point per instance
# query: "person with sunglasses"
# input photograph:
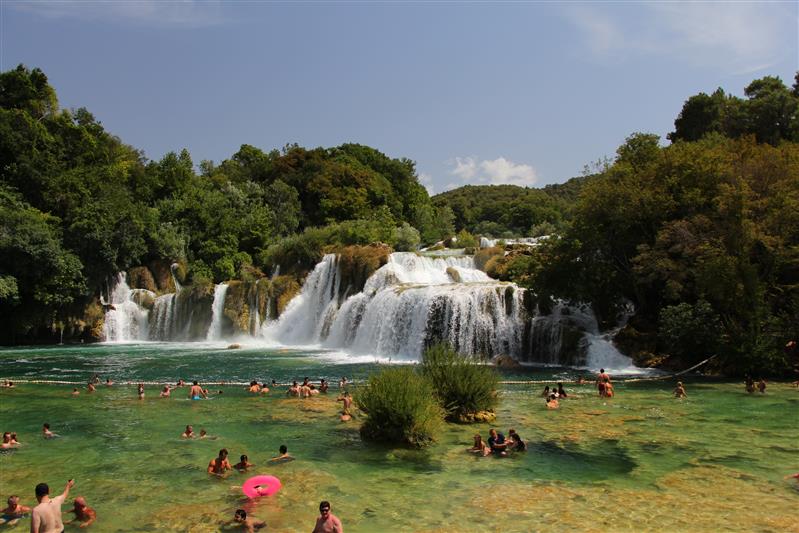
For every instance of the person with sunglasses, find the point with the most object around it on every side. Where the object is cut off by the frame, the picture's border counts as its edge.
(327, 521)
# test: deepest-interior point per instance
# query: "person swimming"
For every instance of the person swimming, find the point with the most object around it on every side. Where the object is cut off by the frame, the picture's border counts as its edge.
(679, 391)
(249, 523)
(323, 386)
(561, 391)
(166, 392)
(244, 464)
(516, 442)
(90, 387)
(46, 433)
(545, 393)
(83, 513)
(188, 434)
(13, 512)
(294, 390)
(140, 391)
(8, 442)
(284, 456)
(254, 387)
(75, 391)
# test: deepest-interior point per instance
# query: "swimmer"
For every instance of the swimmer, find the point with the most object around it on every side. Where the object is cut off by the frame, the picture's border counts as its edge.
(46, 433)
(496, 441)
(343, 383)
(552, 402)
(516, 442)
(750, 384)
(249, 524)
(761, 386)
(347, 402)
(479, 447)
(254, 387)
(305, 391)
(140, 391)
(323, 386)
(7, 442)
(166, 392)
(188, 434)
(264, 388)
(545, 394)
(608, 390)
(561, 392)
(284, 456)
(679, 391)
(243, 464)
(581, 380)
(204, 435)
(8, 384)
(602, 381)
(294, 390)
(83, 513)
(180, 383)
(14, 511)
(305, 382)
(196, 392)
(314, 390)
(220, 465)
(327, 521)
(90, 387)
(108, 382)
(14, 441)
(75, 392)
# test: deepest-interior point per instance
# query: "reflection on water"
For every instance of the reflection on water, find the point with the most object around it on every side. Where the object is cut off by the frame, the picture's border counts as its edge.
(642, 461)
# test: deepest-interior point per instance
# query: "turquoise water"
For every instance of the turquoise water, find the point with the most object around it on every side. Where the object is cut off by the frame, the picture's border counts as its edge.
(642, 461)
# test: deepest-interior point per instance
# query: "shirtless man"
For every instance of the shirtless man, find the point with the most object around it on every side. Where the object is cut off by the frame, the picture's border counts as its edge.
(140, 391)
(327, 521)
(90, 387)
(166, 392)
(249, 524)
(220, 465)
(196, 392)
(7, 443)
(294, 390)
(46, 517)
(679, 392)
(305, 391)
(347, 401)
(75, 391)
(188, 434)
(601, 380)
(264, 388)
(284, 456)
(244, 464)
(254, 387)
(13, 512)
(323, 386)
(83, 513)
(108, 382)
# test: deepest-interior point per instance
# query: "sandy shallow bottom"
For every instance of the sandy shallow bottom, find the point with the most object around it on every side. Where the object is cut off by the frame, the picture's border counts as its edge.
(642, 461)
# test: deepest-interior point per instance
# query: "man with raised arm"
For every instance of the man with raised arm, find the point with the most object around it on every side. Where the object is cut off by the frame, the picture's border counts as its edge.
(46, 517)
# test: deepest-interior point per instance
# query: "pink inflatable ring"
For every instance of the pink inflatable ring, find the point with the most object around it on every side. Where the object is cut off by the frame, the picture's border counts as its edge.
(261, 486)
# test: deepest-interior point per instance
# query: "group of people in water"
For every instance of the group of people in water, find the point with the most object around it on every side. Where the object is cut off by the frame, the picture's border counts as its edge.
(46, 516)
(497, 444)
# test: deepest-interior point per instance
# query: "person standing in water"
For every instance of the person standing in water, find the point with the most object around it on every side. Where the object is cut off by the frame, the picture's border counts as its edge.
(14, 511)
(140, 389)
(83, 513)
(679, 392)
(46, 517)
(220, 465)
(327, 521)
(196, 392)
(601, 381)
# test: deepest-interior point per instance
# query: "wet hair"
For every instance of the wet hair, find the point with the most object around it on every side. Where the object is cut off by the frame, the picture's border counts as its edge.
(243, 458)
(253, 383)
(283, 448)
(42, 489)
(241, 513)
(46, 426)
(324, 505)
(13, 500)
(6, 434)
(601, 369)
(222, 452)
(194, 382)
(552, 397)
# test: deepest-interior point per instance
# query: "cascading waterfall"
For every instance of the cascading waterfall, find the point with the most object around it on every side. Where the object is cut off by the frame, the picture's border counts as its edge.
(217, 310)
(125, 320)
(407, 304)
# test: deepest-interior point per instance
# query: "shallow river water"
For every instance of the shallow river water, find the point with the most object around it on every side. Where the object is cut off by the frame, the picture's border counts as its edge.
(642, 461)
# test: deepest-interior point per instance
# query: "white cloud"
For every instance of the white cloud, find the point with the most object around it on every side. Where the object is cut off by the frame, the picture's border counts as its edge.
(493, 172)
(742, 36)
(427, 181)
(183, 13)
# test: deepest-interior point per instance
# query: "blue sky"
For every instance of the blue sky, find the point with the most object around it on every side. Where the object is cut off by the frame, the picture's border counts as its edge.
(474, 92)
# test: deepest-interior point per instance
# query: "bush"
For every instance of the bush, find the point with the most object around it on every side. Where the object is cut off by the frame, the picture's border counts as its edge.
(401, 408)
(463, 386)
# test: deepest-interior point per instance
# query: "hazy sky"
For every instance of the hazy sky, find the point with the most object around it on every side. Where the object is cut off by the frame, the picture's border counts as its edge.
(474, 92)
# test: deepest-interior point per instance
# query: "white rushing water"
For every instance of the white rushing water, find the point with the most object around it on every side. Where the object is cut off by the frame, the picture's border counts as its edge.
(407, 304)
(217, 310)
(125, 319)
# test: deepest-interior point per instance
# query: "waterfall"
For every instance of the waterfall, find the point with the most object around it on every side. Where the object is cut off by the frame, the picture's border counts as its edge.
(413, 301)
(217, 310)
(125, 320)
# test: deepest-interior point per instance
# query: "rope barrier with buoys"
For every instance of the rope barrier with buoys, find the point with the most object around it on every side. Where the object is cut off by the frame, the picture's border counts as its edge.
(258, 486)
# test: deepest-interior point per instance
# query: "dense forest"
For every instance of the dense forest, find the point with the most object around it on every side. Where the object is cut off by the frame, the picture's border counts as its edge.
(699, 237)
(78, 205)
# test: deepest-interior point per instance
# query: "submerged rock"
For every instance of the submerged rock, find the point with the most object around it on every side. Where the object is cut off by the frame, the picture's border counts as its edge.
(505, 361)
(234, 346)
(479, 417)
